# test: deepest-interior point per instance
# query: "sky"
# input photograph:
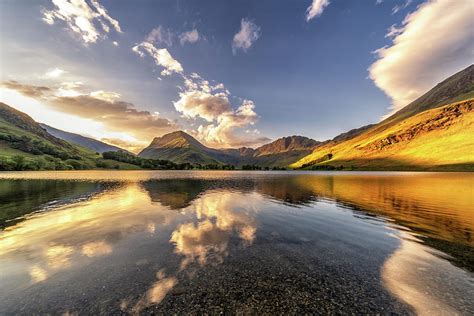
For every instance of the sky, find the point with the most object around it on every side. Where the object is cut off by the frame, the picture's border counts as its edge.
(231, 73)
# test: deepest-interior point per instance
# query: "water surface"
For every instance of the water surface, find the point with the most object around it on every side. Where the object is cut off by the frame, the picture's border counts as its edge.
(143, 241)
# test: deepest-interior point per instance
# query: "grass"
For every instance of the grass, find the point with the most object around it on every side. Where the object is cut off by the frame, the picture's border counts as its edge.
(437, 139)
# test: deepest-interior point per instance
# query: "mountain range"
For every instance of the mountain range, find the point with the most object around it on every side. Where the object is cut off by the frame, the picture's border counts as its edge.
(434, 132)
(181, 147)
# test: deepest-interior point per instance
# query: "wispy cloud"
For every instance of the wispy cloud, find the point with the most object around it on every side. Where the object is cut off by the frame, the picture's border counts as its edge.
(189, 37)
(161, 36)
(81, 18)
(161, 56)
(434, 42)
(316, 9)
(249, 32)
(54, 73)
(402, 6)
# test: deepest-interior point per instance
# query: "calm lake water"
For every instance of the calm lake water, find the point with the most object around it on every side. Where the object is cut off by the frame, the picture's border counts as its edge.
(290, 242)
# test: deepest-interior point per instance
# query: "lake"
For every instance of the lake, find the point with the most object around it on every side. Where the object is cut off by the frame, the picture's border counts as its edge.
(92, 242)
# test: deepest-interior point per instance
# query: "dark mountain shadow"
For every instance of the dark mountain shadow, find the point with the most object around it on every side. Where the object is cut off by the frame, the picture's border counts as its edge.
(22, 197)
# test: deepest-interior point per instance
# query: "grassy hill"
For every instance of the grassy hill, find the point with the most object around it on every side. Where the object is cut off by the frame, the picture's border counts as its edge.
(436, 139)
(433, 132)
(25, 145)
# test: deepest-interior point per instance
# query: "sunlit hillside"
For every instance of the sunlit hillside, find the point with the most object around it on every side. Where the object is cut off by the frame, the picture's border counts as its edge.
(436, 139)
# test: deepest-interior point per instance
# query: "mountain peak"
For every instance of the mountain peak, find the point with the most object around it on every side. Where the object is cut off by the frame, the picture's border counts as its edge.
(288, 143)
(176, 139)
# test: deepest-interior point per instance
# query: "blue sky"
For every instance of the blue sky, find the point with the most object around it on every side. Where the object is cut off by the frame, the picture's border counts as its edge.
(287, 73)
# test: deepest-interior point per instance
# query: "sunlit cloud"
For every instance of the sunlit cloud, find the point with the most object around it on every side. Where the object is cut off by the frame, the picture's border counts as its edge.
(200, 99)
(161, 56)
(316, 9)
(123, 121)
(433, 42)
(81, 18)
(189, 37)
(247, 35)
(54, 73)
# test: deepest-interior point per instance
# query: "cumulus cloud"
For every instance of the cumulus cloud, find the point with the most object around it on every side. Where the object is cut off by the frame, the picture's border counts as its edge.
(101, 106)
(161, 56)
(203, 104)
(160, 35)
(200, 99)
(316, 9)
(82, 18)
(249, 32)
(189, 37)
(434, 42)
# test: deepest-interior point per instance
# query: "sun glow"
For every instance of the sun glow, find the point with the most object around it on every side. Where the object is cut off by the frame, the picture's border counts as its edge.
(66, 122)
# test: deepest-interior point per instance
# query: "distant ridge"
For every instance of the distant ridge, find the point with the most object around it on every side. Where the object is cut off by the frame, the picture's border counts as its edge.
(181, 147)
(83, 141)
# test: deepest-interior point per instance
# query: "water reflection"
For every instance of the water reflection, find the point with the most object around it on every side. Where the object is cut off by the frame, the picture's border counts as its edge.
(155, 243)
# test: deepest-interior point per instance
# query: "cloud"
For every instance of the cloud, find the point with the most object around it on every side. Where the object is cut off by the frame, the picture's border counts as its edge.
(249, 32)
(434, 42)
(54, 73)
(81, 18)
(393, 31)
(27, 90)
(101, 106)
(402, 6)
(161, 57)
(160, 35)
(377, 2)
(200, 99)
(202, 104)
(189, 37)
(316, 9)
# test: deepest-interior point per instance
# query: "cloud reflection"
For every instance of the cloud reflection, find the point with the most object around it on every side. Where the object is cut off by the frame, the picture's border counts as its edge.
(219, 215)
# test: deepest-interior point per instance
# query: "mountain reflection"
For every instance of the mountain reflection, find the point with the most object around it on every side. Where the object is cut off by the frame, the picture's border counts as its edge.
(163, 232)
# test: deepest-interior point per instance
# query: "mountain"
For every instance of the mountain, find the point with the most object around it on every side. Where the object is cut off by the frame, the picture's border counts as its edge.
(24, 142)
(433, 132)
(87, 142)
(181, 147)
(26, 145)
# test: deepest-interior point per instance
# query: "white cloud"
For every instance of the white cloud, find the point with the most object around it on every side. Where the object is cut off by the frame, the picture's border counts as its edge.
(80, 18)
(225, 125)
(249, 32)
(54, 73)
(161, 57)
(434, 42)
(116, 44)
(189, 37)
(377, 2)
(316, 9)
(160, 35)
(393, 31)
(402, 6)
